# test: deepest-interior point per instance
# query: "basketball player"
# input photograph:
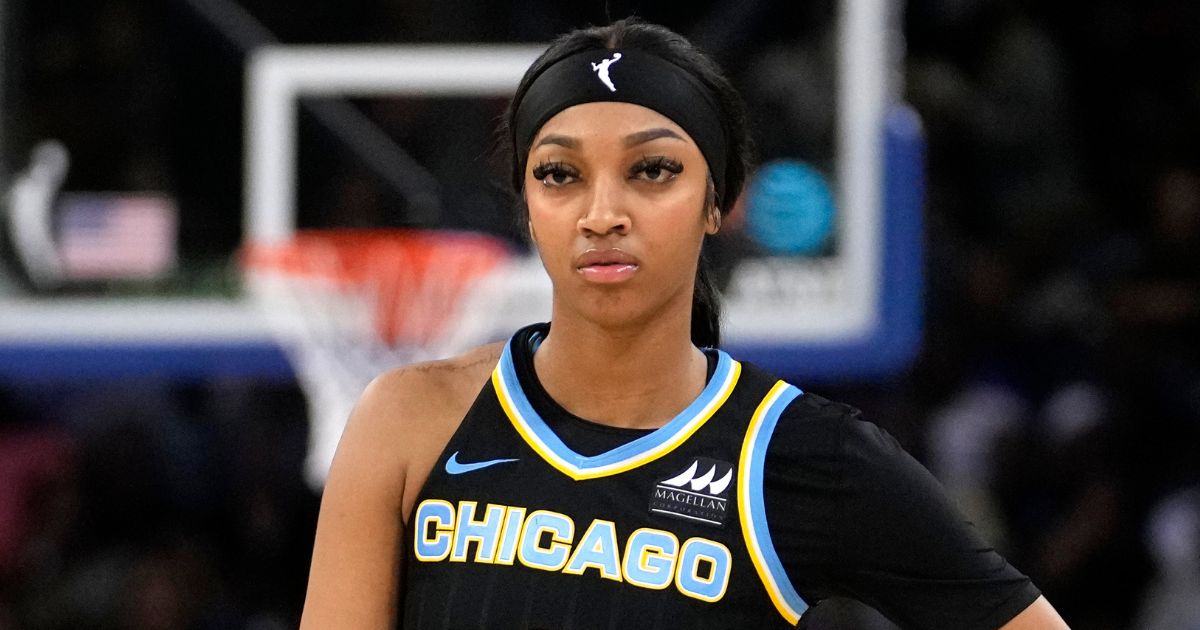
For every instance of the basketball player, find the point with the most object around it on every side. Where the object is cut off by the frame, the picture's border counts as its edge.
(613, 469)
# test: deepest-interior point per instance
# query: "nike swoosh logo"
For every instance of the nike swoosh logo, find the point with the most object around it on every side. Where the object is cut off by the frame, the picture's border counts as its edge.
(455, 467)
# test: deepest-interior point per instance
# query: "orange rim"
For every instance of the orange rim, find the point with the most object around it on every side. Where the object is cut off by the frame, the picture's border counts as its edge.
(415, 278)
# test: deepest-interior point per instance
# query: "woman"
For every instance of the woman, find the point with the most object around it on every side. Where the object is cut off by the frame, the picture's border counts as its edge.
(616, 470)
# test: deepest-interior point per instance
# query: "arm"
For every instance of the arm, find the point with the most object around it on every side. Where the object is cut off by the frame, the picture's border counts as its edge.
(1040, 615)
(393, 437)
(354, 578)
(859, 517)
(914, 555)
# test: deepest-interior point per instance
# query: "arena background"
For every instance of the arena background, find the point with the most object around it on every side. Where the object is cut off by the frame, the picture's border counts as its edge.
(1055, 388)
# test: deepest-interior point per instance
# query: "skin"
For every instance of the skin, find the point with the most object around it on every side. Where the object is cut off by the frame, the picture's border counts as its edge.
(604, 197)
(600, 177)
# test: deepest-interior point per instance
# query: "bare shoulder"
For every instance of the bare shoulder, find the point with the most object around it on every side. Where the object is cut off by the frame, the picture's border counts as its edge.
(432, 384)
(406, 416)
(397, 430)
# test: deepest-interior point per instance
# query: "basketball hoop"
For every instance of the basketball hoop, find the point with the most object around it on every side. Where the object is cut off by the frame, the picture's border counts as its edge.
(348, 305)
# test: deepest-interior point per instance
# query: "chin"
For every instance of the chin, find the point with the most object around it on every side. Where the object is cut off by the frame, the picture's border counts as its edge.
(620, 308)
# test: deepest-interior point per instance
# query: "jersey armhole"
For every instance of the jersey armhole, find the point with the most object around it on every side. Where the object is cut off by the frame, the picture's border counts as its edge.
(752, 506)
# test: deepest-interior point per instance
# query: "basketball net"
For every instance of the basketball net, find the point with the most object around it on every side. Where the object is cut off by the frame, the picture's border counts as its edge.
(349, 305)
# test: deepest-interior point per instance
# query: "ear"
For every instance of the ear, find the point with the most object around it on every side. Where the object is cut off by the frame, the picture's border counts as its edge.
(712, 214)
(528, 221)
(712, 221)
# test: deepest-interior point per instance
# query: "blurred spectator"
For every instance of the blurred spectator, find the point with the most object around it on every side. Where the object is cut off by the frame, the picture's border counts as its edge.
(37, 505)
(1172, 601)
(189, 510)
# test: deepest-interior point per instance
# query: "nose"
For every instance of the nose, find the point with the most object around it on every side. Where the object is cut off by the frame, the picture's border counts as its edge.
(606, 211)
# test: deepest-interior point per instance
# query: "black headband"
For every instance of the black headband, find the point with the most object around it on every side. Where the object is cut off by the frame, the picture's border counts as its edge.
(626, 76)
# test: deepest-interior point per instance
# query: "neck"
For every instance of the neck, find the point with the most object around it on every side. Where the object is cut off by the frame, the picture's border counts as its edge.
(639, 375)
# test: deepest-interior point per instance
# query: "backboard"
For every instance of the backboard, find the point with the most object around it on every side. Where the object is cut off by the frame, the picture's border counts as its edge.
(848, 307)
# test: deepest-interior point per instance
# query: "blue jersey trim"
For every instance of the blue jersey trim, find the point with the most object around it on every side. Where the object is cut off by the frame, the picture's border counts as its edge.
(717, 387)
(762, 549)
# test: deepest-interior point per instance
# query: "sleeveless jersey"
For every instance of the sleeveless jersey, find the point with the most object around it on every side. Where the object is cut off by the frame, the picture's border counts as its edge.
(532, 518)
(514, 529)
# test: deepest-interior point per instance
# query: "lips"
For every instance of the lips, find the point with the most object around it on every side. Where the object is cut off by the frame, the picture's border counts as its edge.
(606, 266)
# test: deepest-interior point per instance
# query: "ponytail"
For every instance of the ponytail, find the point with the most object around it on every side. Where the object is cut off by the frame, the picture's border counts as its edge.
(706, 309)
(706, 301)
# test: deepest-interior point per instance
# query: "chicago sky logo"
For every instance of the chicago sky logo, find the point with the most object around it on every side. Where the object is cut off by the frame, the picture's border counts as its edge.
(601, 70)
(700, 493)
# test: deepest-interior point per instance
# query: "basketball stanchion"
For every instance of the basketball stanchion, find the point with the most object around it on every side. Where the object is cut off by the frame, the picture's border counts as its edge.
(348, 305)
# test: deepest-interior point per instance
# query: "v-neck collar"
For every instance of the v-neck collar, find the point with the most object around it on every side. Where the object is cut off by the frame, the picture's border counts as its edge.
(647, 448)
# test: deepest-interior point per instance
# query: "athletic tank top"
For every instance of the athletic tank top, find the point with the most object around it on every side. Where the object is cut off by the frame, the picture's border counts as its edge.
(532, 518)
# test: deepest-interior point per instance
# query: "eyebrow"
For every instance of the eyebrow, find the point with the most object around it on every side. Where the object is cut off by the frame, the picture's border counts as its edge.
(559, 139)
(631, 140)
(641, 137)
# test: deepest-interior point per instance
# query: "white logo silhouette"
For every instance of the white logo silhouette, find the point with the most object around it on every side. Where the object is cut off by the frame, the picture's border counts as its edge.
(689, 477)
(601, 70)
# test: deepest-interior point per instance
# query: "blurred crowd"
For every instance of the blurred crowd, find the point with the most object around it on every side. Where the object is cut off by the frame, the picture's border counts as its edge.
(1057, 394)
(1061, 365)
(153, 505)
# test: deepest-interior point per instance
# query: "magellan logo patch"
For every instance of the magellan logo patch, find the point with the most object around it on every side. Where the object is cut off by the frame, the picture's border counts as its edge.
(700, 493)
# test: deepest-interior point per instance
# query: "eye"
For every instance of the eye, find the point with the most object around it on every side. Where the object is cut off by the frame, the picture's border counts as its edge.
(656, 169)
(554, 174)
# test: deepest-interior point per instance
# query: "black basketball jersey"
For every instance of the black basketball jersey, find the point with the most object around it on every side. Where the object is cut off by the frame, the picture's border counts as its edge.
(528, 521)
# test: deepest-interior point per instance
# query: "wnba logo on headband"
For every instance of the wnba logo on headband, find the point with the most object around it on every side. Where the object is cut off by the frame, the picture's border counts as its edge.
(601, 70)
